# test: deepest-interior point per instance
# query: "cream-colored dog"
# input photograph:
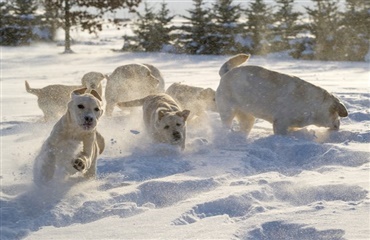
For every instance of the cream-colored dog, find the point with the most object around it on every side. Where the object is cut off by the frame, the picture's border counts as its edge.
(249, 92)
(53, 99)
(163, 118)
(197, 100)
(59, 153)
(132, 81)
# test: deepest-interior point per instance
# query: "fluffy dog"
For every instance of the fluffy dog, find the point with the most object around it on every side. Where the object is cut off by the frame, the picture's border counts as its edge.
(53, 99)
(59, 153)
(132, 81)
(197, 100)
(249, 92)
(163, 118)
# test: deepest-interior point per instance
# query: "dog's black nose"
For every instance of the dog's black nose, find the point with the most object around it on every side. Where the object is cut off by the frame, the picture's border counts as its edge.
(176, 135)
(88, 119)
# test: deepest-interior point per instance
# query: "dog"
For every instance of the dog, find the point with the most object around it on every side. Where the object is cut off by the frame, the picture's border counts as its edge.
(132, 81)
(53, 99)
(197, 100)
(78, 126)
(249, 92)
(164, 120)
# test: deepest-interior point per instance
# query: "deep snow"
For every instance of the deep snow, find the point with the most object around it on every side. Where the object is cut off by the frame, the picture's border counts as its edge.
(312, 184)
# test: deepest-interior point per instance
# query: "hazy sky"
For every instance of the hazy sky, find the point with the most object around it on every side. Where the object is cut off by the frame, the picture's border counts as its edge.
(180, 7)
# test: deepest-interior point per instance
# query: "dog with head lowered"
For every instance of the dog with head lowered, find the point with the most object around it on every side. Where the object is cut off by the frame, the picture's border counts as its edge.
(163, 118)
(74, 143)
(249, 92)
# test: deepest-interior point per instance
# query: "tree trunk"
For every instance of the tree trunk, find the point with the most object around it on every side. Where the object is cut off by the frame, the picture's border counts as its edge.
(67, 40)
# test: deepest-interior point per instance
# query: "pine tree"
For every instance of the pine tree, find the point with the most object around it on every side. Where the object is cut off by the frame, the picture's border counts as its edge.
(194, 35)
(226, 27)
(324, 25)
(18, 21)
(259, 26)
(354, 34)
(286, 25)
(152, 30)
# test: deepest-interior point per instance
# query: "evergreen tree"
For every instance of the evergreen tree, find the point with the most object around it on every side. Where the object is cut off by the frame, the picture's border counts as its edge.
(324, 25)
(286, 25)
(18, 22)
(152, 30)
(194, 35)
(259, 26)
(85, 13)
(225, 27)
(354, 34)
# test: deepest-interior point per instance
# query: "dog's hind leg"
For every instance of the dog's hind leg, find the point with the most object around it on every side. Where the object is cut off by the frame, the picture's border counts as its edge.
(227, 118)
(44, 167)
(246, 121)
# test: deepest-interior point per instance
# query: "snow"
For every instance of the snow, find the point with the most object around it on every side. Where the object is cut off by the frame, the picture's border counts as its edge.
(311, 184)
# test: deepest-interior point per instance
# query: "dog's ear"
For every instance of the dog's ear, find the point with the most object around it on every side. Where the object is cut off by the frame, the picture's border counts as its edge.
(96, 95)
(161, 114)
(342, 111)
(79, 91)
(184, 114)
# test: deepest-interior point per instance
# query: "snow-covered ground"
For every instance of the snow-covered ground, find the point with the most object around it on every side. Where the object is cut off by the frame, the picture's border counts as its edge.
(312, 184)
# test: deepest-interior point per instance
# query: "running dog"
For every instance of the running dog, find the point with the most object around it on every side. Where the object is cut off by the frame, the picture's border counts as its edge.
(132, 81)
(197, 100)
(53, 99)
(59, 153)
(163, 118)
(249, 92)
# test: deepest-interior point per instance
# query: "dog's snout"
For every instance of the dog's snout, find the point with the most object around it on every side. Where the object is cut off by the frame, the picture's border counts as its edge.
(176, 135)
(88, 119)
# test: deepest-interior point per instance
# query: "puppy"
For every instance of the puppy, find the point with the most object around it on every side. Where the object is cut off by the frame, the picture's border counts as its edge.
(53, 99)
(250, 92)
(163, 118)
(132, 81)
(59, 153)
(197, 100)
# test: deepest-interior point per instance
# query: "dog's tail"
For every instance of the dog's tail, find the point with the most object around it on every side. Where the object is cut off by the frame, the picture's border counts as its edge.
(133, 103)
(233, 63)
(32, 90)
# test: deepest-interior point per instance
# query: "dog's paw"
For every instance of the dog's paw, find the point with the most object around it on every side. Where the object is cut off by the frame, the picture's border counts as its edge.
(79, 164)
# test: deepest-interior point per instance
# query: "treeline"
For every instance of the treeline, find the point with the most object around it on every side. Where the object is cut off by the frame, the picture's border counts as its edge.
(322, 32)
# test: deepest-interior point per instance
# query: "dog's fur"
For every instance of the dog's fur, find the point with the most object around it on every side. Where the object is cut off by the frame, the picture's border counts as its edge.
(249, 92)
(197, 100)
(132, 81)
(163, 118)
(53, 99)
(78, 125)
(233, 62)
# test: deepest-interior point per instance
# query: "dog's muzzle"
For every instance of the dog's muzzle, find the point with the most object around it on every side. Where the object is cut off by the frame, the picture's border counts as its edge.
(88, 122)
(176, 135)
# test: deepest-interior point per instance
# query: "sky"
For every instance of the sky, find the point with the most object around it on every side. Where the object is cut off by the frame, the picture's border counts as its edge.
(180, 7)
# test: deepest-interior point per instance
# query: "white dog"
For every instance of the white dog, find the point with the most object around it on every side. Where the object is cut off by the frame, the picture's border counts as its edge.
(132, 81)
(163, 118)
(197, 100)
(53, 99)
(250, 92)
(59, 153)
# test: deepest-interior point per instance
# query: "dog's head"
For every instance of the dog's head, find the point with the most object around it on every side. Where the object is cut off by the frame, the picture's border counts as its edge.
(334, 111)
(85, 109)
(92, 80)
(208, 97)
(172, 125)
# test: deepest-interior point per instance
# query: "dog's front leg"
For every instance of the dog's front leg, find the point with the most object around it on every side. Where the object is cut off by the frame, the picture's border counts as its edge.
(84, 160)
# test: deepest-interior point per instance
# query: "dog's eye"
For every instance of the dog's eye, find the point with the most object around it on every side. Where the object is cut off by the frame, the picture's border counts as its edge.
(97, 109)
(80, 106)
(166, 127)
(178, 124)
